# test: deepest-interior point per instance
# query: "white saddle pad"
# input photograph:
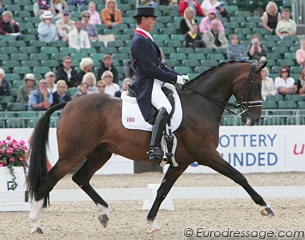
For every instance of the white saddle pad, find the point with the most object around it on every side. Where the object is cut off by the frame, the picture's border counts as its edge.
(132, 117)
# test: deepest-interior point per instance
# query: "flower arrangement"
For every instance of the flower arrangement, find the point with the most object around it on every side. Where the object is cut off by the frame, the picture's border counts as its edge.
(13, 154)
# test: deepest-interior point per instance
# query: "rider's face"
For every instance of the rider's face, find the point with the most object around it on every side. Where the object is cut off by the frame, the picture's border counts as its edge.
(148, 23)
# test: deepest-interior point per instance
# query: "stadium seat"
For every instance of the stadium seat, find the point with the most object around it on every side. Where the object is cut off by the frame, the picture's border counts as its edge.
(274, 98)
(301, 104)
(182, 70)
(287, 104)
(17, 107)
(269, 105)
(21, 70)
(49, 50)
(19, 56)
(41, 70)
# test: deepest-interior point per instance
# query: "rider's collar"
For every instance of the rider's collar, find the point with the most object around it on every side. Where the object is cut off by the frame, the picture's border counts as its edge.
(143, 33)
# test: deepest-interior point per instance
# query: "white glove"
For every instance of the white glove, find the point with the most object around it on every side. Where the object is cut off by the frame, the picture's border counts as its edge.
(181, 79)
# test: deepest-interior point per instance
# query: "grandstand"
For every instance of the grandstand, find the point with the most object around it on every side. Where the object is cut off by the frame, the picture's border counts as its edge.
(28, 54)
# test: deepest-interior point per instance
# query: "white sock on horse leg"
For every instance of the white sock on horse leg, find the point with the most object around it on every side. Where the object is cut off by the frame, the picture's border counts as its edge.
(105, 210)
(36, 211)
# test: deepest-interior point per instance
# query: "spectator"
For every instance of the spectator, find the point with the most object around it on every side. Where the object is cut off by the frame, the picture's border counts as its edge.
(170, 2)
(46, 29)
(111, 87)
(8, 25)
(82, 90)
(5, 89)
(300, 83)
(193, 39)
(125, 83)
(61, 95)
(94, 15)
(268, 88)
(206, 5)
(25, 90)
(58, 7)
(214, 38)
(236, 51)
(85, 66)
(153, 3)
(111, 15)
(50, 78)
(271, 17)
(286, 26)
(64, 25)
(40, 6)
(206, 22)
(300, 54)
(183, 4)
(188, 20)
(78, 3)
(129, 72)
(90, 79)
(66, 72)
(89, 28)
(40, 98)
(78, 38)
(284, 84)
(108, 65)
(2, 9)
(256, 50)
(101, 86)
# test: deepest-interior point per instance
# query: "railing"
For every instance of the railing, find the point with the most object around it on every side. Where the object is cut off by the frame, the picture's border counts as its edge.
(298, 13)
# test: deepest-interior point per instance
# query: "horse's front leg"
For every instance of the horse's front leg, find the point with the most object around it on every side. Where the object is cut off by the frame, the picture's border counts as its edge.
(172, 174)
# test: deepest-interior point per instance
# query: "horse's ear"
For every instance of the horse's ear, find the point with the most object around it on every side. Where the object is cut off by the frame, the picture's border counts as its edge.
(261, 65)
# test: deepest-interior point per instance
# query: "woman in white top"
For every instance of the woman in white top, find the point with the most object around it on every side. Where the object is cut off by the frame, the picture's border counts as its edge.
(90, 79)
(284, 84)
(206, 5)
(111, 87)
(267, 84)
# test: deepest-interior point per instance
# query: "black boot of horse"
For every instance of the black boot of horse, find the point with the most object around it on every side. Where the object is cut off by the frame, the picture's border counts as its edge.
(155, 151)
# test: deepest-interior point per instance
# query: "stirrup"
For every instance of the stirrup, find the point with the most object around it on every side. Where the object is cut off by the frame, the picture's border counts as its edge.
(155, 153)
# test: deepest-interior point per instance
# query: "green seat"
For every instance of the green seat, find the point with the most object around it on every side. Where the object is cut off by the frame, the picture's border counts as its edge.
(178, 56)
(269, 105)
(28, 114)
(21, 70)
(12, 77)
(16, 44)
(51, 63)
(186, 50)
(191, 63)
(287, 105)
(274, 98)
(182, 70)
(290, 55)
(174, 43)
(286, 62)
(16, 107)
(30, 63)
(11, 64)
(215, 56)
(301, 104)
(294, 97)
(67, 50)
(9, 50)
(33, 122)
(280, 50)
(49, 50)
(71, 91)
(39, 56)
(18, 83)
(19, 56)
(295, 69)
(28, 50)
(124, 50)
(41, 70)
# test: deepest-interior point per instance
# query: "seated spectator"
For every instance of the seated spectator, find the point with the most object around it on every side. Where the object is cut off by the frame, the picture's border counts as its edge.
(206, 5)
(86, 65)
(50, 78)
(40, 98)
(89, 28)
(78, 3)
(108, 65)
(183, 4)
(111, 15)
(125, 83)
(286, 26)
(193, 39)
(8, 25)
(206, 22)
(284, 84)
(300, 83)
(300, 54)
(268, 88)
(57, 7)
(111, 87)
(78, 38)
(5, 89)
(95, 17)
(214, 38)
(66, 72)
(90, 79)
(61, 95)
(82, 90)
(64, 25)
(46, 29)
(25, 90)
(2, 8)
(188, 20)
(271, 17)
(129, 72)
(153, 3)
(101, 86)
(236, 51)
(256, 50)
(40, 6)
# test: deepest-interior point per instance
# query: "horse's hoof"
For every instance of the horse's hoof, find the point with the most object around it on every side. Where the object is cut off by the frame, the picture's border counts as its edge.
(104, 220)
(37, 230)
(266, 211)
(155, 231)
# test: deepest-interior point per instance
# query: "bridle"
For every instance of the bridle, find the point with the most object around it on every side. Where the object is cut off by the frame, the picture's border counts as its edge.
(243, 106)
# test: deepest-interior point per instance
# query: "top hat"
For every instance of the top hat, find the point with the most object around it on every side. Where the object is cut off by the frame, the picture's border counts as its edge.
(147, 11)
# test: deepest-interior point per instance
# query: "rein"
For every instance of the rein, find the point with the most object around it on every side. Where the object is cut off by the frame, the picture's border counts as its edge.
(243, 106)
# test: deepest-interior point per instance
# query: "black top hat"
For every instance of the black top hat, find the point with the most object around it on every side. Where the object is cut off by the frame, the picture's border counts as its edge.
(148, 11)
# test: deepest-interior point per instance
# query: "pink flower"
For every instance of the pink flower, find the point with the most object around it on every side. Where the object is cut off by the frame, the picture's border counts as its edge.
(12, 159)
(2, 164)
(22, 142)
(8, 137)
(9, 150)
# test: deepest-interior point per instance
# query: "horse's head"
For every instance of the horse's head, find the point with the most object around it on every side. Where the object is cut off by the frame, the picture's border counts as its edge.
(247, 90)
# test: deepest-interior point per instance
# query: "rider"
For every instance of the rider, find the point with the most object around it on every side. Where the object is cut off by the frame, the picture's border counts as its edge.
(150, 76)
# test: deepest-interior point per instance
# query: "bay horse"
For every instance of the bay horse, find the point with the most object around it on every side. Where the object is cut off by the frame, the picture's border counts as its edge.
(90, 128)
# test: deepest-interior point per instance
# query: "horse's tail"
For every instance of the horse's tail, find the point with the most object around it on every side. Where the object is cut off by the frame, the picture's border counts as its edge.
(38, 155)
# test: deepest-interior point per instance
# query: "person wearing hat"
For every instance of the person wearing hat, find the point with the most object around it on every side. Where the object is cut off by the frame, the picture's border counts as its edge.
(25, 90)
(111, 15)
(206, 22)
(206, 5)
(150, 76)
(64, 25)
(40, 98)
(47, 31)
(50, 79)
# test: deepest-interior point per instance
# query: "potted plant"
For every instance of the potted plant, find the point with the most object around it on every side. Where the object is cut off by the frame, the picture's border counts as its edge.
(13, 158)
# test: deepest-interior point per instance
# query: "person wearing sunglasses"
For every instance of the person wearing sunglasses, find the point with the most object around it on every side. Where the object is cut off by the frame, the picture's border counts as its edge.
(89, 28)
(64, 25)
(284, 84)
(111, 15)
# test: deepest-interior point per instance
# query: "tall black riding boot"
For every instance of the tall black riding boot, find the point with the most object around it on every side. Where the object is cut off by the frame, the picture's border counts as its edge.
(155, 151)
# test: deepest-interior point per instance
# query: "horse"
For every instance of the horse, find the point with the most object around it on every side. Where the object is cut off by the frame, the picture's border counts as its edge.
(90, 128)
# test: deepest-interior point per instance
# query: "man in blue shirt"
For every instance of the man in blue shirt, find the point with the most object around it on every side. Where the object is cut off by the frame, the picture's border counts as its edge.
(235, 51)
(40, 99)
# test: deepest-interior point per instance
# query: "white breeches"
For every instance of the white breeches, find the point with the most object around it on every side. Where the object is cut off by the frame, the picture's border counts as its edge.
(158, 98)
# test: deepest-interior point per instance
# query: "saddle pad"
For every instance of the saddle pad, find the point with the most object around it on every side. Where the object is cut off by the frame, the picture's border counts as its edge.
(132, 117)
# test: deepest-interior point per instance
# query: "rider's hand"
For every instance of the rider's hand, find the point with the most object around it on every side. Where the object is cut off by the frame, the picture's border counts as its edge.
(182, 79)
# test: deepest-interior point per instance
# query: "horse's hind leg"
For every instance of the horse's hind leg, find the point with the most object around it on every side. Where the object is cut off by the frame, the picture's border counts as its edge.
(220, 165)
(94, 161)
